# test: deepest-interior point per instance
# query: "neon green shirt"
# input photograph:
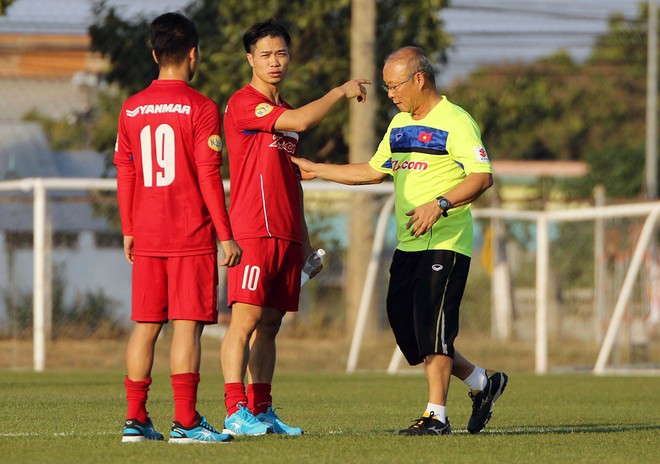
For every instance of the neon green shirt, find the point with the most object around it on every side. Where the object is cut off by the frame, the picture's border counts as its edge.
(428, 158)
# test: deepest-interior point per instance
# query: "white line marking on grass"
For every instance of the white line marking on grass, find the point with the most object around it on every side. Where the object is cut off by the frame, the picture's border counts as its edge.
(59, 434)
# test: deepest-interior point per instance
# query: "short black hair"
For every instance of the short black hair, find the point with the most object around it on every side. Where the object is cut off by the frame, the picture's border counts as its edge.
(269, 28)
(171, 36)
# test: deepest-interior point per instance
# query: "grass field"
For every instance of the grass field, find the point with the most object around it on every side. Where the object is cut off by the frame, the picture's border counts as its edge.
(77, 417)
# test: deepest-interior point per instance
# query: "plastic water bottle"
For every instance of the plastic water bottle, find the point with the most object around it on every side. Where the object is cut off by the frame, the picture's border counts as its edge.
(314, 261)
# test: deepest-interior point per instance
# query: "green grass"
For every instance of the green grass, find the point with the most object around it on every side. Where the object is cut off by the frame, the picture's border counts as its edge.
(77, 416)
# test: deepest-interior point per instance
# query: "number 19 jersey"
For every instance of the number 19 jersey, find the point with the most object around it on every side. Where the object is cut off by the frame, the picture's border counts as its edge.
(168, 155)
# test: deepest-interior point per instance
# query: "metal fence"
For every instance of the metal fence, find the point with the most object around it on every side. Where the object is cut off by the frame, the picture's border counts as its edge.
(568, 285)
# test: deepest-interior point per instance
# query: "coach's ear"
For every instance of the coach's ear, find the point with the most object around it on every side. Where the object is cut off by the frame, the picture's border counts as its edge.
(250, 59)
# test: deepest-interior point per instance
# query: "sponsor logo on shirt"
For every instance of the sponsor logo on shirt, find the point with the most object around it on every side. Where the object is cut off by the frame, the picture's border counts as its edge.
(481, 155)
(409, 165)
(286, 141)
(215, 142)
(159, 109)
(262, 110)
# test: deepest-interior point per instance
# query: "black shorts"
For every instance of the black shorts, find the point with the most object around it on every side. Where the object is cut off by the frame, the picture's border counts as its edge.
(425, 292)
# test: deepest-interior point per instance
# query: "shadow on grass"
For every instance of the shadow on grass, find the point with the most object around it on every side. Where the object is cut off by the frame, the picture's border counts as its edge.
(570, 428)
(561, 429)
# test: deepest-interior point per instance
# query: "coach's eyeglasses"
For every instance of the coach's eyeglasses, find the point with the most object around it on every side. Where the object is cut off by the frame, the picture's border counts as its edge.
(395, 87)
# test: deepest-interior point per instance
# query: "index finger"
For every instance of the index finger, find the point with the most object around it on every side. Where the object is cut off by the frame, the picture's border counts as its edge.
(362, 81)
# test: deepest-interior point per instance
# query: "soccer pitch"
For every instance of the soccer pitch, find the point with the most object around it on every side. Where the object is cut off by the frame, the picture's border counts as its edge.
(77, 417)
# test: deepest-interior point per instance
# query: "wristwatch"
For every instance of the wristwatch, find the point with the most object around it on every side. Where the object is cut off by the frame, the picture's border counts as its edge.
(444, 205)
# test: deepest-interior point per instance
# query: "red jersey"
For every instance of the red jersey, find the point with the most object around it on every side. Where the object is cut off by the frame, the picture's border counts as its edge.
(264, 197)
(168, 158)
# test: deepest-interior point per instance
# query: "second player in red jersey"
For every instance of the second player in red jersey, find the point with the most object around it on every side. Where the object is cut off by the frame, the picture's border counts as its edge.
(265, 197)
(267, 216)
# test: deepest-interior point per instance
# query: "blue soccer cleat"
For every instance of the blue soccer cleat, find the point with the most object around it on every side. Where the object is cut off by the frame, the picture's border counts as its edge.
(201, 432)
(243, 422)
(135, 431)
(270, 418)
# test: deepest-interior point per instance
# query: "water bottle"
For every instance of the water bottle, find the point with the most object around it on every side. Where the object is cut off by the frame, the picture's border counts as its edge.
(314, 261)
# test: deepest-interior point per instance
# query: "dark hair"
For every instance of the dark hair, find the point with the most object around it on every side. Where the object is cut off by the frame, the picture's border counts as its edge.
(269, 28)
(171, 36)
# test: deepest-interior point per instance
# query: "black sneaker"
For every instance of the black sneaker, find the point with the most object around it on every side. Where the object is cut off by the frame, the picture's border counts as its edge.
(484, 400)
(428, 425)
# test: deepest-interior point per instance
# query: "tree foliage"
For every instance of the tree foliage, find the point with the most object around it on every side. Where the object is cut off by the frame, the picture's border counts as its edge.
(320, 49)
(124, 43)
(3, 6)
(557, 109)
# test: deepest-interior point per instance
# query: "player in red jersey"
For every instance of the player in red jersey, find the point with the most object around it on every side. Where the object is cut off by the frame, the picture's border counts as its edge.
(268, 221)
(172, 207)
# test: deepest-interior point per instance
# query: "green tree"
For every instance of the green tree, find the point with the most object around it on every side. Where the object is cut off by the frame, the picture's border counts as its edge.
(557, 109)
(3, 6)
(124, 43)
(319, 53)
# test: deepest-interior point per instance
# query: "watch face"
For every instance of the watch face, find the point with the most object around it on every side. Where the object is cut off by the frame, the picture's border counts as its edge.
(443, 203)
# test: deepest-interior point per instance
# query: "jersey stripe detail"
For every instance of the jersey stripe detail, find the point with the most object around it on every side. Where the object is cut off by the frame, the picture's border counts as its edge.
(440, 325)
(263, 203)
(427, 151)
(421, 139)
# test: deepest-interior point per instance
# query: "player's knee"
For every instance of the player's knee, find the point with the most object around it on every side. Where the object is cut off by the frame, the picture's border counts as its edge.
(269, 326)
(147, 331)
(244, 324)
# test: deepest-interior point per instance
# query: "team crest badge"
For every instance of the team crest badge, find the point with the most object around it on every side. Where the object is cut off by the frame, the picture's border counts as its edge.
(263, 109)
(215, 143)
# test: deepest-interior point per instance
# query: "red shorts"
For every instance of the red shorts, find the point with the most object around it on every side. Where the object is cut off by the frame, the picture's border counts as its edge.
(268, 276)
(178, 287)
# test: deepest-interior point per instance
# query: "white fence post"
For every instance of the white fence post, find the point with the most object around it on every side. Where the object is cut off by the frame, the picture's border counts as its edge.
(621, 303)
(39, 257)
(367, 292)
(542, 261)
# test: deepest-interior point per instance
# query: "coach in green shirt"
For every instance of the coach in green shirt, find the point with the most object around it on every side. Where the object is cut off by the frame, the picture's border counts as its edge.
(433, 150)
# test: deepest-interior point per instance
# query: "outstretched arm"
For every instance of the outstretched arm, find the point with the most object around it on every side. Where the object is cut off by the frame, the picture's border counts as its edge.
(349, 174)
(310, 115)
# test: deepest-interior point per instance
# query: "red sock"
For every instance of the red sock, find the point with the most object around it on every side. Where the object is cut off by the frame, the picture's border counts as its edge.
(234, 395)
(259, 398)
(136, 396)
(185, 398)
